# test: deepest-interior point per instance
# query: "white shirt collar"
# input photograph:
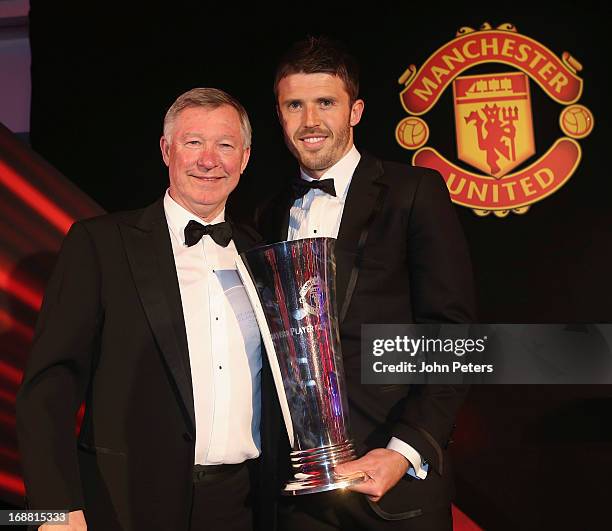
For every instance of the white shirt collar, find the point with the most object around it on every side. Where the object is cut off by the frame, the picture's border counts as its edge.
(177, 217)
(341, 172)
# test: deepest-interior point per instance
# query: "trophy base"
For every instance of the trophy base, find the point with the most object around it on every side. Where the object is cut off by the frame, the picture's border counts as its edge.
(312, 484)
(314, 470)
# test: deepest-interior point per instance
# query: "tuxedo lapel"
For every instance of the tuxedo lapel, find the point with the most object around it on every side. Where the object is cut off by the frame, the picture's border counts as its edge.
(363, 198)
(285, 221)
(151, 260)
(281, 217)
(244, 237)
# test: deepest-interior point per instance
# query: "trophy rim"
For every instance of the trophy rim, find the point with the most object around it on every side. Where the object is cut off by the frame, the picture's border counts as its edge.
(284, 242)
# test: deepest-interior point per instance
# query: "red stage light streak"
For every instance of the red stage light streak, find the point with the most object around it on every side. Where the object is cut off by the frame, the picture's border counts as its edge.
(21, 291)
(8, 322)
(45, 177)
(25, 233)
(7, 397)
(10, 373)
(9, 454)
(8, 420)
(31, 196)
(462, 522)
(12, 483)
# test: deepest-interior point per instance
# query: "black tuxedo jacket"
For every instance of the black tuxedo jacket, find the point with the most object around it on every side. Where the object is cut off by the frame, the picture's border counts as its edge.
(111, 332)
(401, 257)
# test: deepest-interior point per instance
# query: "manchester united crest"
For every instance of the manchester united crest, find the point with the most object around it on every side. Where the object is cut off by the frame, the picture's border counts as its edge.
(494, 121)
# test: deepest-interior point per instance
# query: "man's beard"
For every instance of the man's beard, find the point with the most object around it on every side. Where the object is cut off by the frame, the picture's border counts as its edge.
(326, 158)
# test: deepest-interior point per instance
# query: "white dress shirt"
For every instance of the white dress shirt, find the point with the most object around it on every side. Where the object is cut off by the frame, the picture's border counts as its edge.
(318, 214)
(224, 344)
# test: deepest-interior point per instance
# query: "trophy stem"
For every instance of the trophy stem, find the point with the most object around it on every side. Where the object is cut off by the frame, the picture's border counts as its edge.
(314, 470)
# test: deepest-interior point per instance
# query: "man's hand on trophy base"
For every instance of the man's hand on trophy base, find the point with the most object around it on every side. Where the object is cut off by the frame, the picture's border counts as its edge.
(383, 467)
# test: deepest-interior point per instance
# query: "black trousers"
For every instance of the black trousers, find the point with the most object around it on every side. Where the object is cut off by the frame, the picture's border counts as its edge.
(223, 497)
(350, 511)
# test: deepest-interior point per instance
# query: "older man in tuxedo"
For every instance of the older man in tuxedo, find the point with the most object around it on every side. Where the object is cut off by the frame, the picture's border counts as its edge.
(146, 321)
(401, 258)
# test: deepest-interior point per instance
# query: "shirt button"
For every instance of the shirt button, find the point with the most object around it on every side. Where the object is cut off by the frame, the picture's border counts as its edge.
(315, 231)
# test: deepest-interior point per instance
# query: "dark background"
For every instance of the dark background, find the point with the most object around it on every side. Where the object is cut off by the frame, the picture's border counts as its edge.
(526, 457)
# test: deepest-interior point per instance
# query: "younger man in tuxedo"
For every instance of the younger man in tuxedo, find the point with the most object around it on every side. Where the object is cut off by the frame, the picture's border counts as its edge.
(401, 258)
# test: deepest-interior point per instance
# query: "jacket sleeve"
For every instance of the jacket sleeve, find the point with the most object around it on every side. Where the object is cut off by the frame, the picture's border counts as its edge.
(56, 377)
(442, 291)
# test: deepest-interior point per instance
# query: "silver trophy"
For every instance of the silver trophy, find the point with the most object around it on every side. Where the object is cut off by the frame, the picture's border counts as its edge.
(296, 309)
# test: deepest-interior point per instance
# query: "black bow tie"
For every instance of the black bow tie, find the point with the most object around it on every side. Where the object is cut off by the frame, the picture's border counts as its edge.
(300, 187)
(221, 233)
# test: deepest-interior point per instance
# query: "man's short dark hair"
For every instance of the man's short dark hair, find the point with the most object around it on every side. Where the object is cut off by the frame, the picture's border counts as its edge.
(320, 55)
